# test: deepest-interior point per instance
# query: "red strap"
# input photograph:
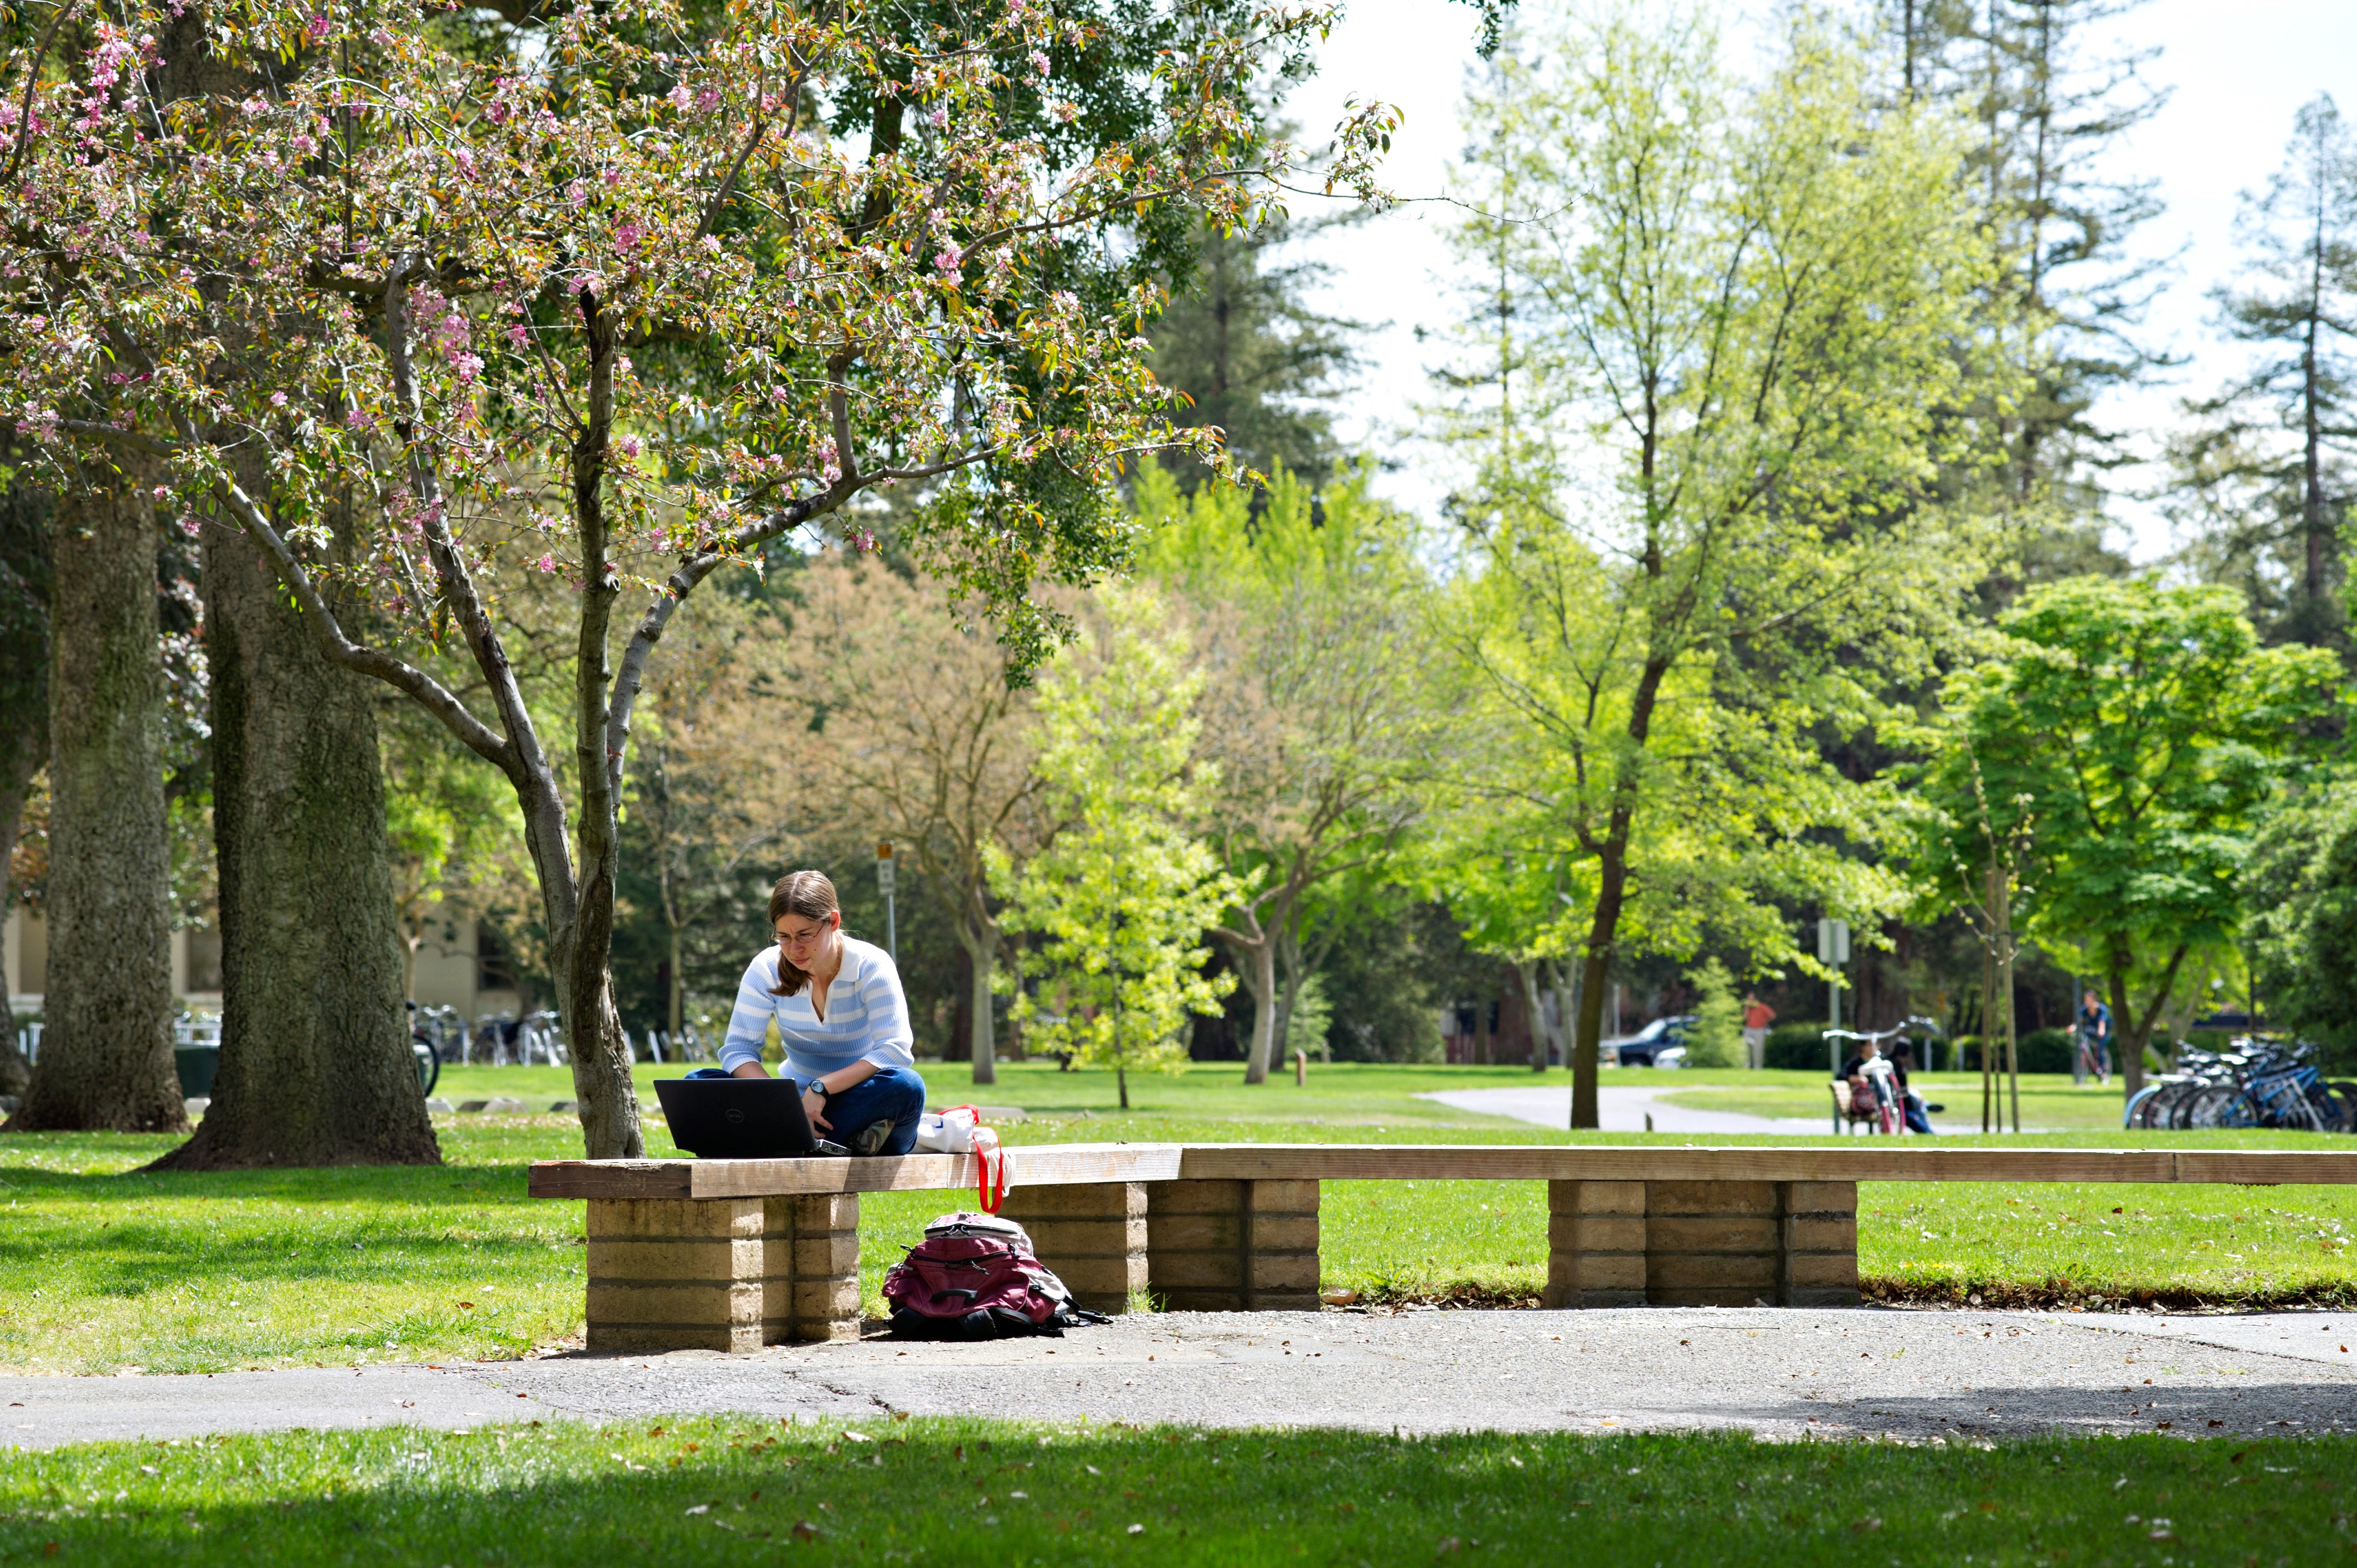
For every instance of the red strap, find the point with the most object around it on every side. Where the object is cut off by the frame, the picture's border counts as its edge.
(982, 1193)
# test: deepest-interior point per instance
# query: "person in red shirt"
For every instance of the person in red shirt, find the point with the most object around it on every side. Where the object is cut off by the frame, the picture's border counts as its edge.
(1757, 1016)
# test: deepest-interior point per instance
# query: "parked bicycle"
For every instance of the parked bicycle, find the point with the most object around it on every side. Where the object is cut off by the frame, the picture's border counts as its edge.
(2255, 1083)
(432, 1031)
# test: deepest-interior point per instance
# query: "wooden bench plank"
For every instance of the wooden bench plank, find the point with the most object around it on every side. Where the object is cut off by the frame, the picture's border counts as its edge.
(1522, 1161)
(1055, 1164)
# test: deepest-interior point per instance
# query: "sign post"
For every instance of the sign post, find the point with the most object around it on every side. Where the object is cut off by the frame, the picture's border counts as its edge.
(886, 879)
(1832, 947)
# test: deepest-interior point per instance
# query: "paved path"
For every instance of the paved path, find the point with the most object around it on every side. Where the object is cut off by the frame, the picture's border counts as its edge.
(1781, 1373)
(1623, 1108)
(1619, 1109)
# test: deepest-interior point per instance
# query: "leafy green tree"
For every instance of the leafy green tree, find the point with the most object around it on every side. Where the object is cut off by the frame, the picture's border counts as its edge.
(1123, 895)
(1695, 542)
(2131, 738)
(1316, 707)
(490, 264)
(2302, 891)
(1717, 1037)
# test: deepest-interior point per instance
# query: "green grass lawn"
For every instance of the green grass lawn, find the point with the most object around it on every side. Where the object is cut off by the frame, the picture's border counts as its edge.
(102, 1268)
(724, 1490)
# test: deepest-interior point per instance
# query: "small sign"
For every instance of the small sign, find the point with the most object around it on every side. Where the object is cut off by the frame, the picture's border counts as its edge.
(886, 870)
(1833, 941)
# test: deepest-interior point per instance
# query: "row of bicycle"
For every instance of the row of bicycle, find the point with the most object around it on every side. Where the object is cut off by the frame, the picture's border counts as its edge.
(440, 1035)
(2252, 1083)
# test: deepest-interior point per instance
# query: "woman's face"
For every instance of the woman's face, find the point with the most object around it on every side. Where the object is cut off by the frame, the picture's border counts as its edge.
(803, 939)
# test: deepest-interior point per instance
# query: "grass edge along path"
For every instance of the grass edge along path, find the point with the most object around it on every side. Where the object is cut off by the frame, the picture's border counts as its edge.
(717, 1489)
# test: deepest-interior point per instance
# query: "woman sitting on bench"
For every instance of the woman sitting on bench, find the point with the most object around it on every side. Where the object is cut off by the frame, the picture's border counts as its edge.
(842, 1014)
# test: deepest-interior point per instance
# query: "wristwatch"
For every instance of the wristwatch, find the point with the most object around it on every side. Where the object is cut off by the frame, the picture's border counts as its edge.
(818, 1087)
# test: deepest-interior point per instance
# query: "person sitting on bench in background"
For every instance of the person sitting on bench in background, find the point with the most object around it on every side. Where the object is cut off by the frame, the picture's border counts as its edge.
(842, 1015)
(1910, 1104)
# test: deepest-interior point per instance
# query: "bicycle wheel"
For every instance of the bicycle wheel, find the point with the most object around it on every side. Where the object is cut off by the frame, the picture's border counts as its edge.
(2138, 1111)
(2347, 1094)
(429, 1062)
(2220, 1105)
(2160, 1111)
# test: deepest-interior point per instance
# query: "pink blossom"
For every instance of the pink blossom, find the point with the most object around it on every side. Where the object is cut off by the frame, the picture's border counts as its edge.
(317, 30)
(278, 399)
(940, 117)
(518, 335)
(949, 260)
(162, 491)
(468, 366)
(708, 100)
(546, 562)
(188, 526)
(1040, 61)
(629, 446)
(575, 193)
(1065, 113)
(681, 97)
(358, 419)
(626, 237)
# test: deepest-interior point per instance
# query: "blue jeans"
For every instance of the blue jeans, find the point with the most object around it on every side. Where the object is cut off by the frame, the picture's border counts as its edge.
(894, 1094)
(1917, 1121)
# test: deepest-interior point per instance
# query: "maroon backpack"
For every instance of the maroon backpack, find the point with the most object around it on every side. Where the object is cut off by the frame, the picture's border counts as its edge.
(975, 1277)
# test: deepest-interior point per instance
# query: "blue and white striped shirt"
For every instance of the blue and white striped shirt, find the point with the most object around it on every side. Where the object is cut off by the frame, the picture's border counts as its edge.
(866, 1016)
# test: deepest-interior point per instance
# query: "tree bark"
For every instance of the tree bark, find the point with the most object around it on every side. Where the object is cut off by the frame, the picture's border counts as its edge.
(24, 702)
(1527, 971)
(982, 952)
(315, 1066)
(106, 1053)
(1259, 969)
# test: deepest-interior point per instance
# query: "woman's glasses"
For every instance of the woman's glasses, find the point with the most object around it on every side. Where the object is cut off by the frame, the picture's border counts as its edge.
(799, 938)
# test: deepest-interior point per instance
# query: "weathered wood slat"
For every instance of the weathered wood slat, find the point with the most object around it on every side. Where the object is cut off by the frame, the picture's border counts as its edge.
(1515, 1161)
(1054, 1165)
(1063, 1164)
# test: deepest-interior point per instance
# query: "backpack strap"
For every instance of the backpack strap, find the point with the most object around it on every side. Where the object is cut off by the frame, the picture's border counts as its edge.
(984, 1194)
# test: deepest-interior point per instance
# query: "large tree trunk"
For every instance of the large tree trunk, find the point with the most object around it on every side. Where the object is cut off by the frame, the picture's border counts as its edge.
(106, 1053)
(315, 1067)
(24, 702)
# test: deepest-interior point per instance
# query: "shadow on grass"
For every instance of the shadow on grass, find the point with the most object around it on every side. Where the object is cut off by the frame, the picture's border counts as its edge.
(719, 1491)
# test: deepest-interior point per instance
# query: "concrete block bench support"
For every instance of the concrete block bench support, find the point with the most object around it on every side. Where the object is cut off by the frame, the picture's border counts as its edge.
(722, 1273)
(1232, 1246)
(1092, 1235)
(1701, 1243)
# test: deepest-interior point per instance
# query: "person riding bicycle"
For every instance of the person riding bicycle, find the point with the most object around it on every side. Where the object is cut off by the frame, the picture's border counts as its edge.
(2095, 1038)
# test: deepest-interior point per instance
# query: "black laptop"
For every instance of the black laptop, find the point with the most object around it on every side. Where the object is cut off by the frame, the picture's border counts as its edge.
(739, 1118)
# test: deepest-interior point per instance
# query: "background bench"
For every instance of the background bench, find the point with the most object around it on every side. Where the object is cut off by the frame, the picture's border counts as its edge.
(735, 1254)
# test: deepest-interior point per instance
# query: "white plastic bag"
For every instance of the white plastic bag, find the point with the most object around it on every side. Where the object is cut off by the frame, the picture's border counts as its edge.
(948, 1131)
(959, 1131)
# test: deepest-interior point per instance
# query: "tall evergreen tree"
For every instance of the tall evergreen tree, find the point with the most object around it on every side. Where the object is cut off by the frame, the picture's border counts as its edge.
(2272, 465)
(2067, 302)
(1254, 360)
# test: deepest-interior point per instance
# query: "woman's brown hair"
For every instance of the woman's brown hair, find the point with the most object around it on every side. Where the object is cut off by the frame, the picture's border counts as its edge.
(810, 894)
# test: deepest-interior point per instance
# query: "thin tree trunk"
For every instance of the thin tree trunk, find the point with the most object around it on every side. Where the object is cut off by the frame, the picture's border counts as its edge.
(106, 1053)
(981, 945)
(315, 1066)
(1259, 980)
(1527, 970)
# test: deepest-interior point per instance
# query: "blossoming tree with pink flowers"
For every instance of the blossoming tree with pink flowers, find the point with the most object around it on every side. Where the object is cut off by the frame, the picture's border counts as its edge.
(613, 303)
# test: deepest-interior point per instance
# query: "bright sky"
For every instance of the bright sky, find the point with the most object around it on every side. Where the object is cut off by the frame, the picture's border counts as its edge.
(2239, 70)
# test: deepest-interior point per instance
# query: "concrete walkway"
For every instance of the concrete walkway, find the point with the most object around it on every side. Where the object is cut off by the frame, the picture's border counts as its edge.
(1781, 1373)
(1622, 1108)
(1619, 1109)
